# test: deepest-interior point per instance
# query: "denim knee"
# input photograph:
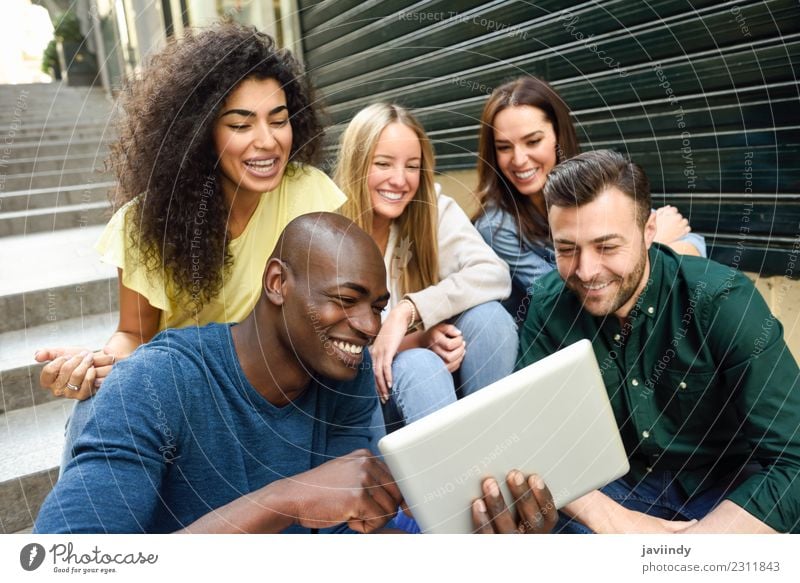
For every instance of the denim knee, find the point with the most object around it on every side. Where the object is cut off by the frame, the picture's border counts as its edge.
(77, 421)
(421, 384)
(492, 343)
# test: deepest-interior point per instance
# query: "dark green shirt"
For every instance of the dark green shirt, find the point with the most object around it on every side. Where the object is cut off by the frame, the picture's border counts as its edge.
(699, 377)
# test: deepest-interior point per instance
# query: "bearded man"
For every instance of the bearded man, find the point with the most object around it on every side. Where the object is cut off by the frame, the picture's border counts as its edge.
(702, 384)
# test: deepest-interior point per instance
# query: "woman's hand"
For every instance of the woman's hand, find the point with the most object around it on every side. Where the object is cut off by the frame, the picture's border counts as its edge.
(386, 344)
(448, 343)
(73, 372)
(670, 225)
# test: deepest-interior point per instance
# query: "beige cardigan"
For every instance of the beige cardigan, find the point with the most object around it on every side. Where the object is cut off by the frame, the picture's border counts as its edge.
(469, 271)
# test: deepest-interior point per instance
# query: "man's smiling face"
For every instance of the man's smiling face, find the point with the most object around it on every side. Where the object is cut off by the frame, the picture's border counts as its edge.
(338, 294)
(601, 252)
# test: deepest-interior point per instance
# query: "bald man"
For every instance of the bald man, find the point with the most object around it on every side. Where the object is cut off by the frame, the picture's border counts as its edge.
(255, 427)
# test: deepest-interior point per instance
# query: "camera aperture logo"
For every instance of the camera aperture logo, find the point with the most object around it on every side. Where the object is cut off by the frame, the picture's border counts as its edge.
(31, 556)
(67, 560)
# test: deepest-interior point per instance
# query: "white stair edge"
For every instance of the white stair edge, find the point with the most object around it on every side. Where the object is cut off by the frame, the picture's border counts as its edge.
(18, 347)
(68, 253)
(32, 439)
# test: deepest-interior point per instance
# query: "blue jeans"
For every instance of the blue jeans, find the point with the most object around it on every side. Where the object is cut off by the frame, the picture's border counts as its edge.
(421, 382)
(77, 421)
(659, 494)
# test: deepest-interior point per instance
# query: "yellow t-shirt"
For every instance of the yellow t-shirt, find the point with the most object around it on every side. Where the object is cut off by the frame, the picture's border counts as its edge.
(303, 190)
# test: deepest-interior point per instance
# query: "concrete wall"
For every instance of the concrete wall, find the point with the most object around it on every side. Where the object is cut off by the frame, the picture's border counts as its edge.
(782, 294)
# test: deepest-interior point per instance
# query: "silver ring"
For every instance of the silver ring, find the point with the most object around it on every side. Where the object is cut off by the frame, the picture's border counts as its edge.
(72, 387)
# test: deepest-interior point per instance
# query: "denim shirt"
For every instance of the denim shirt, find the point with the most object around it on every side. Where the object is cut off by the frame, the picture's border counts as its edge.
(527, 261)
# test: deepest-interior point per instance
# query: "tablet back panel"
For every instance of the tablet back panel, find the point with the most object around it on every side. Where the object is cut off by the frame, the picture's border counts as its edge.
(552, 418)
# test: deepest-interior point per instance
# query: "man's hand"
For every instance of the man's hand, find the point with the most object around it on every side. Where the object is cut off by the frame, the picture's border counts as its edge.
(532, 500)
(357, 489)
(632, 522)
(605, 516)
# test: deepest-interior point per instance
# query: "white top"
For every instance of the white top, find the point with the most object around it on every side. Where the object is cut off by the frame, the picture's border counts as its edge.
(469, 271)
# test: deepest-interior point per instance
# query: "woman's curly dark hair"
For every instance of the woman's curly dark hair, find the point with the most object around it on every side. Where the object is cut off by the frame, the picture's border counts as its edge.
(164, 157)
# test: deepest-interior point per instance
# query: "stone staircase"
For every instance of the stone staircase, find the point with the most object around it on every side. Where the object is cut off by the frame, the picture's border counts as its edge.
(53, 289)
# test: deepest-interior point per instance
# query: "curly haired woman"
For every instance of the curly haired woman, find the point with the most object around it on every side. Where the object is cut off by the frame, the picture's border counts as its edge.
(213, 159)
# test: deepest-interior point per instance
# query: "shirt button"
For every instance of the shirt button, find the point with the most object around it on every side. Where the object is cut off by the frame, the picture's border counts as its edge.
(635, 383)
(682, 385)
(617, 337)
(645, 434)
(651, 310)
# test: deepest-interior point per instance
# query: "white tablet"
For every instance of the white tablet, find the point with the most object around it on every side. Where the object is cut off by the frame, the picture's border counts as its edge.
(552, 418)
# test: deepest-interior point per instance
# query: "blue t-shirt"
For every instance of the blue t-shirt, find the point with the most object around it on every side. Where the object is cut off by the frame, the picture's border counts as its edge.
(177, 431)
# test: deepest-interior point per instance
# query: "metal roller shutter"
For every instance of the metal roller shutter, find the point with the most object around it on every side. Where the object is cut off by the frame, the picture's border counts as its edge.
(703, 94)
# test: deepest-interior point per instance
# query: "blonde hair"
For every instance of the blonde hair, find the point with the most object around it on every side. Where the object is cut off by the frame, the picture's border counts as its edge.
(418, 222)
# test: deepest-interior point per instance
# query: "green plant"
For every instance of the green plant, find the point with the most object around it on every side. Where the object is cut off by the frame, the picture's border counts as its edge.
(67, 28)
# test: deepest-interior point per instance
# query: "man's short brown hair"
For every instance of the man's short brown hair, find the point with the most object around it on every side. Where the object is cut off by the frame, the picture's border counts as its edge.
(580, 180)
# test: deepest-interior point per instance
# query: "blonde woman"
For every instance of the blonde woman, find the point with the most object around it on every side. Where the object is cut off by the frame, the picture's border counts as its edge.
(444, 329)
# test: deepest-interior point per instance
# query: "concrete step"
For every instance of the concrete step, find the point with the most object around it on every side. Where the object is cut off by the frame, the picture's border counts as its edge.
(51, 277)
(64, 161)
(54, 197)
(50, 219)
(100, 130)
(24, 95)
(31, 440)
(54, 179)
(38, 97)
(55, 103)
(65, 147)
(42, 88)
(23, 120)
(19, 371)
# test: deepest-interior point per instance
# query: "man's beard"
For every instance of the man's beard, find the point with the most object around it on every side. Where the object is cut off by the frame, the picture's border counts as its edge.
(627, 287)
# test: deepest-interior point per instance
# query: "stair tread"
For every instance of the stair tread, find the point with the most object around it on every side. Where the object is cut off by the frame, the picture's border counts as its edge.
(18, 347)
(63, 188)
(31, 439)
(68, 255)
(54, 209)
